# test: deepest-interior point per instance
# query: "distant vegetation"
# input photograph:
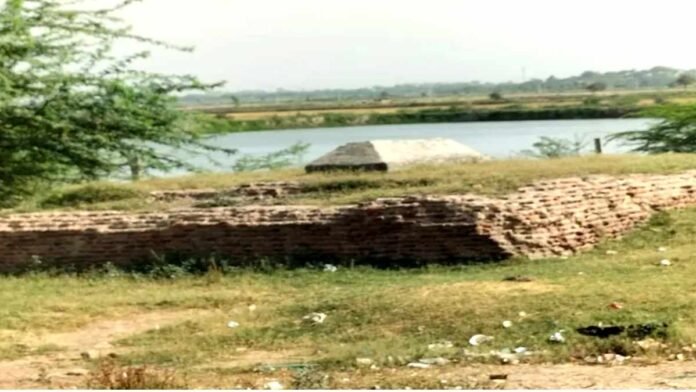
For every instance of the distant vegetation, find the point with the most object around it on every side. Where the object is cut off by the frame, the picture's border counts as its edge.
(654, 78)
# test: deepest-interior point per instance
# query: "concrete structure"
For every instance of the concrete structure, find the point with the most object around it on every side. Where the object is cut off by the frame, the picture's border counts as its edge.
(383, 155)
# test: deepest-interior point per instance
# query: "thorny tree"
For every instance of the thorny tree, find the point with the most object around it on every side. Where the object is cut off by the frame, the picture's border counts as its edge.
(71, 110)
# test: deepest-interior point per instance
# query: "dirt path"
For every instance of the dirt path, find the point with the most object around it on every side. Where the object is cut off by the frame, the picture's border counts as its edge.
(65, 368)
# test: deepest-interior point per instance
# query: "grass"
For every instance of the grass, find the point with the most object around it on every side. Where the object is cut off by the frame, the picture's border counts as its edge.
(493, 178)
(389, 316)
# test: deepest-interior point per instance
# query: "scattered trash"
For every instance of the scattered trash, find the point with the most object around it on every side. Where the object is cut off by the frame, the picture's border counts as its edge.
(252, 308)
(518, 278)
(478, 340)
(665, 263)
(662, 249)
(273, 386)
(445, 344)
(434, 361)
(557, 337)
(364, 361)
(637, 331)
(418, 365)
(507, 324)
(520, 350)
(493, 377)
(232, 324)
(522, 314)
(616, 305)
(612, 253)
(330, 268)
(316, 318)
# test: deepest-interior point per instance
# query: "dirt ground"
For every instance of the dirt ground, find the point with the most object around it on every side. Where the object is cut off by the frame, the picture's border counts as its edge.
(67, 367)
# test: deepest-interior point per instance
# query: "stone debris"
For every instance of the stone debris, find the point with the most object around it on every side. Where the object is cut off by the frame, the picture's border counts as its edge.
(418, 365)
(611, 253)
(434, 361)
(507, 324)
(662, 249)
(665, 263)
(478, 340)
(232, 324)
(252, 308)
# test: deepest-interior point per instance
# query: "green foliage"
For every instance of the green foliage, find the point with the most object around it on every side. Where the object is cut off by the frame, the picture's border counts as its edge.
(495, 96)
(275, 160)
(676, 132)
(71, 110)
(550, 147)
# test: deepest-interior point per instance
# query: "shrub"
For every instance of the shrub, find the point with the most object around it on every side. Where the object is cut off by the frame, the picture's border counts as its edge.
(88, 194)
(109, 375)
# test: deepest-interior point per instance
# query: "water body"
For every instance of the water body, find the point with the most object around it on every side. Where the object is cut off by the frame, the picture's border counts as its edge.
(495, 139)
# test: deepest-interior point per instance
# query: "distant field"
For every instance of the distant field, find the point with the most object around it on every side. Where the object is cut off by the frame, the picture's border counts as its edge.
(578, 105)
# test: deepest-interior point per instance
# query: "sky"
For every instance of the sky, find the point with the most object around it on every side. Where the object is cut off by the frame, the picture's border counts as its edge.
(315, 44)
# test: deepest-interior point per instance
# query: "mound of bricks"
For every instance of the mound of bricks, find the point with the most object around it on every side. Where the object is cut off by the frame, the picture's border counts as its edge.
(548, 218)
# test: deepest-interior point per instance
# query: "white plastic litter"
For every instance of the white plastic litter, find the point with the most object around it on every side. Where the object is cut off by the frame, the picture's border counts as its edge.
(434, 361)
(418, 365)
(662, 249)
(665, 263)
(232, 324)
(520, 350)
(612, 253)
(557, 337)
(330, 268)
(316, 318)
(252, 308)
(273, 386)
(507, 324)
(478, 340)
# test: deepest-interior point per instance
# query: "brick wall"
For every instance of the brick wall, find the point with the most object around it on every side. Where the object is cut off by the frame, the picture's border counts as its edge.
(548, 218)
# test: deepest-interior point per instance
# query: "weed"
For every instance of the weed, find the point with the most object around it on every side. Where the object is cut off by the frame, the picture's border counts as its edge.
(109, 375)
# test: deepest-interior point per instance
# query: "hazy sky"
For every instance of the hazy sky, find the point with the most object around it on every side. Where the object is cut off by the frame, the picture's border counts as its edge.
(308, 44)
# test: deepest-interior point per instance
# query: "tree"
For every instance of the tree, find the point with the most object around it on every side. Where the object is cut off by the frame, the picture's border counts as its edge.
(684, 80)
(495, 96)
(550, 147)
(596, 86)
(675, 133)
(71, 110)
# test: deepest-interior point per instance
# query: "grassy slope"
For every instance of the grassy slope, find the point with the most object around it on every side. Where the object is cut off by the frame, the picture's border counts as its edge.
(490, 178)
(378, 314)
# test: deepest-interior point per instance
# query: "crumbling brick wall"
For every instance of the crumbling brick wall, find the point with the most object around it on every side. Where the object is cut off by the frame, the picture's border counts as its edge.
(555, 217)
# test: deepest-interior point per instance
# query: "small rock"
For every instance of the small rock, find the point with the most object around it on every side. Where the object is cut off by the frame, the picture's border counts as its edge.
(316, 318)
(507, 324)
(612, 253)
(662, 249)
(519, 278)
(76, 372)
(665, 263)
(252, 308)
(232, 324)
(520, 350)
(418, 365)
(557, 337)
(434, 361)
(445, 344)
(680, 357)
(273, 386)
(522, 314)
(616, 305)
(330, 268)
(498, 377)
(364, 361)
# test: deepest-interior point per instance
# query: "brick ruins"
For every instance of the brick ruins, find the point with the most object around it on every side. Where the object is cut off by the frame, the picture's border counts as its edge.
(548, 218)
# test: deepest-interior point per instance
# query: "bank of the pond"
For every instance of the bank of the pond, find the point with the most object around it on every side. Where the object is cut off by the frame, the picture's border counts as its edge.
(425, 116)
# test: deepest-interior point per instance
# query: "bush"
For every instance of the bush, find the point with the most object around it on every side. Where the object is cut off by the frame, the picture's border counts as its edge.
(109, 375)
(88, 194)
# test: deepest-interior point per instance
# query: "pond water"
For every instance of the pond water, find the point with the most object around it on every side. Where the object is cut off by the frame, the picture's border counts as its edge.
(495, 139)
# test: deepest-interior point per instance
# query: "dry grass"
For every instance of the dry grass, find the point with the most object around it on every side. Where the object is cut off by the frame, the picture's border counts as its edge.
(493, 178)
(109, 375)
